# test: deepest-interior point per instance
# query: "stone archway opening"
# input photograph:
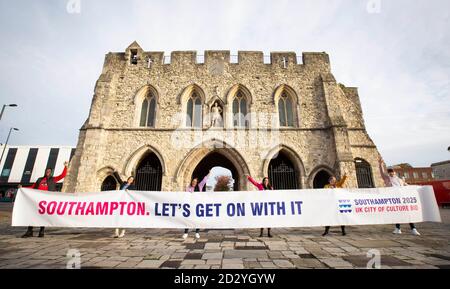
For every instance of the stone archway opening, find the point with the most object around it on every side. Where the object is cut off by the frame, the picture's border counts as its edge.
(216, 159)
(109, 184)
(364, 174)
(148, 176)
(321, 179)
(282, 173)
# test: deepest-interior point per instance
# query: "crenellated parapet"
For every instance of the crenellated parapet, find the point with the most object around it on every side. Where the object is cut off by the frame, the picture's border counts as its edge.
(134, 55)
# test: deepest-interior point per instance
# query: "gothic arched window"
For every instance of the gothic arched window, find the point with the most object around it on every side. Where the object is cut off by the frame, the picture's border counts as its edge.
(240, 111)
(364, 174)
(286, 110)
(109, 184)
(148, 111)
(194, 111)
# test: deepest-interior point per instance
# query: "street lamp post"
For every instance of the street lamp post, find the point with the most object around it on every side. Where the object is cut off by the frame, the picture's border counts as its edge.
(6, 143)
(3, 108)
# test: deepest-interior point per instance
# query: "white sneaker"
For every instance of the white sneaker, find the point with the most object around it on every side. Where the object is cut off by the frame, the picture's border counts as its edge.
(415, 232)
(116, 233)
(397, 231)
(197, 236)
(122, 233)
(185, 235)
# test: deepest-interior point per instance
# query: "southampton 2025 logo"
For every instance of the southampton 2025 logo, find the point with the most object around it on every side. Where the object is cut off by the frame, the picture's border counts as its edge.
(345, 206)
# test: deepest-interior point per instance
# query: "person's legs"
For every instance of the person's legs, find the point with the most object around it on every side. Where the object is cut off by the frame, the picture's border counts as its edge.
(268, 233)
(28, 233)
(185, 235)
(41, 232)
(261, 232)
(414, 230)
(327, 230)
(122, 233)
(343, 230)
(116, 233)
(397, 229)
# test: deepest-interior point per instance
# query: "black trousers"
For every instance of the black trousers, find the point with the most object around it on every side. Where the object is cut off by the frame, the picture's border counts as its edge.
(30, 228)
(327, 228)
(187, 230)
(411, 225)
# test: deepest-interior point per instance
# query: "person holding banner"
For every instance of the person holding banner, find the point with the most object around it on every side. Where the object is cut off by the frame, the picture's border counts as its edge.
(392, 180)
(334, 184)
(125, 186)
(45, 183)
(195, 186)
(264, 185)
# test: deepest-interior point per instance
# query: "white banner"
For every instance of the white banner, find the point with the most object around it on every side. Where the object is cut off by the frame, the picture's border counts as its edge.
(253, 209)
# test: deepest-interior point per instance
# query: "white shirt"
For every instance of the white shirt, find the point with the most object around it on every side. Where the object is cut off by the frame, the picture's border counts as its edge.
(395, 181)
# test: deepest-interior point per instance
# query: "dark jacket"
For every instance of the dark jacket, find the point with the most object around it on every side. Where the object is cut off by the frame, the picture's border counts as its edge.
(50, 183)
(130, 187)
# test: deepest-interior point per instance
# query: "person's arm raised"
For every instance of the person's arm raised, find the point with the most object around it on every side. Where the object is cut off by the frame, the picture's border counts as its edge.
(382, 172)
(342, 181)
(62, 175)
(203, 182)
(255, 183)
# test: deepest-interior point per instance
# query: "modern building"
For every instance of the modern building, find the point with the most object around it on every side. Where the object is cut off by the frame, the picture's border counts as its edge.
(441, 170)
(165, 123)
(25, 164)
(414, 175)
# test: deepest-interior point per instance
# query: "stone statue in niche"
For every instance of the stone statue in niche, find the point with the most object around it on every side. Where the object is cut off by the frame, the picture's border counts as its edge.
(216, 115)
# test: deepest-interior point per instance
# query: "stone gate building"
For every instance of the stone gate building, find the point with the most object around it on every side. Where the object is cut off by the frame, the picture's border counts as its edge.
(166, 122)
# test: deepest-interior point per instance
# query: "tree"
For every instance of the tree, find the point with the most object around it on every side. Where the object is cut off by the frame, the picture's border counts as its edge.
(223, 184)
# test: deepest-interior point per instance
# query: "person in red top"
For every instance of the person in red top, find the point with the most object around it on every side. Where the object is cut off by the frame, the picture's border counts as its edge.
(45, 183)
(264, 185)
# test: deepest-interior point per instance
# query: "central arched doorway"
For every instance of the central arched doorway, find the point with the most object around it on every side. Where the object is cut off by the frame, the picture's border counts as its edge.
(149, 173)
(216, 159)
(210, 154)
(282, 173)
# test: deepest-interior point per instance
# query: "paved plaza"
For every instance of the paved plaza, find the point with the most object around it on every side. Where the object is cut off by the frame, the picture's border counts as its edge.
(227, 249)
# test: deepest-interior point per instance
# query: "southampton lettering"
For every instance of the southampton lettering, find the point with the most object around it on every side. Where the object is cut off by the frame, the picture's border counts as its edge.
(92, 208)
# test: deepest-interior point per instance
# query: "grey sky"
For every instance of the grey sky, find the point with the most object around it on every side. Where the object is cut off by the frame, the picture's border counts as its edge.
(399, 58)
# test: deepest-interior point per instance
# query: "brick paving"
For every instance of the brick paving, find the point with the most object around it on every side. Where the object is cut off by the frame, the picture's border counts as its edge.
(227, 249)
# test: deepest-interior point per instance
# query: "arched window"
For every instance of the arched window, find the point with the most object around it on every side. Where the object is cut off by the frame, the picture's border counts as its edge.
(240, 110)
(363, 174)
(285, 110)
(149, 174)
(148, 111)
(194, 111)
(109, 184)
(283, 174)
(321, 179)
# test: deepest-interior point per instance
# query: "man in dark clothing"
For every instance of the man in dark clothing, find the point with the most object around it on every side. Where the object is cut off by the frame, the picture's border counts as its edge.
(128, 185)
(45, 183)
